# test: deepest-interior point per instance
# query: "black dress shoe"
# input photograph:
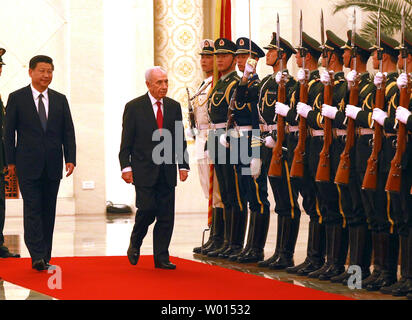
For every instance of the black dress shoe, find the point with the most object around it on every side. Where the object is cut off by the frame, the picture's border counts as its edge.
(5, 253)
(165, 265)
(133, 254)
(39, 265)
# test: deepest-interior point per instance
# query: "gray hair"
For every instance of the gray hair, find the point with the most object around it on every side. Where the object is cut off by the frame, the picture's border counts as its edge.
(149, 71)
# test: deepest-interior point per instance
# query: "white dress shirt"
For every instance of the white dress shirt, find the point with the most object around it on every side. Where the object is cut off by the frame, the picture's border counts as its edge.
(45, 99)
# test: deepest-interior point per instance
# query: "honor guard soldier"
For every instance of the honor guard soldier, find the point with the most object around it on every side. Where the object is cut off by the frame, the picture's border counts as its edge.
(381, 212)
(252, 186)
(218, 104)
(202, 126)
(335, 216)
(286, 204)
(356, 55)
(307, 57)
(4, 251)
(403, 212)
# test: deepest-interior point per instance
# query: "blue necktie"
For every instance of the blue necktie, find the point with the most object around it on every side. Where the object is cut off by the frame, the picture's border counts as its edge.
(42, 113)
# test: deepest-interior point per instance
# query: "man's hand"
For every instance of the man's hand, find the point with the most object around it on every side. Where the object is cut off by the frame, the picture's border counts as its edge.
(303, 109)
(352, 111)
(69, 168)
(12, 169)
(282, 109)
(183, 175)
(127, 176)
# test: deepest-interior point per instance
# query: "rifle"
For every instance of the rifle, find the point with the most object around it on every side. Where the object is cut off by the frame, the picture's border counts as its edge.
(323, 170)
(371, 175)
(275, 168)
(297, 168)
(230, 124)
(192, 122)
(343, 171)
(393, 183)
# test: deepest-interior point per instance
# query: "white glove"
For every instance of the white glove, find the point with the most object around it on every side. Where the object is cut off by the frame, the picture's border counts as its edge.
(303, 109)
(352, 111)
(269, 142)
(351, 76)
(379, 116)
(302, 75)
(329, 111)
(280, 76)
(190, 133)
(325, 77)
(249, 68)
(402, 81)
(281, 108)
(402, 114)
(255, 166)
(223, 141)
(378, 79)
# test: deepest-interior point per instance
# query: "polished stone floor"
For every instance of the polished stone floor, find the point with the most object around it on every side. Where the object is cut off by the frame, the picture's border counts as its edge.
(100, 235)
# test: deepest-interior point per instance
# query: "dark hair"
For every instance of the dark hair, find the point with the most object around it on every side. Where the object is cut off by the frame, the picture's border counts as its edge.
(37, 59)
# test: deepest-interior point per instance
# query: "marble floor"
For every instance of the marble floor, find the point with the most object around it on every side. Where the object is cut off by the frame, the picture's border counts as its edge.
(108, 234)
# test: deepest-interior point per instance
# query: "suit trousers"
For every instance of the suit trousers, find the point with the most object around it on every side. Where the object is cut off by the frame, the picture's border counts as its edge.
(156, 202)
(39, 213)
(2, 207)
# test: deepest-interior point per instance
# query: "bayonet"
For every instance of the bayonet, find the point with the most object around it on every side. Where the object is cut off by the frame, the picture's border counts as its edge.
(352, 41)
(280, 51)
(378, 41)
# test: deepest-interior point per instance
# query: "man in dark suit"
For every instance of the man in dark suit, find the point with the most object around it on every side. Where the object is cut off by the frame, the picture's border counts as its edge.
(4, 251)
(41, 118)
(151, 165)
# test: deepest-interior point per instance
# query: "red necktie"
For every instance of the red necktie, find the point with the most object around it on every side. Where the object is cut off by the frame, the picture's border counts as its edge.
(159, 115)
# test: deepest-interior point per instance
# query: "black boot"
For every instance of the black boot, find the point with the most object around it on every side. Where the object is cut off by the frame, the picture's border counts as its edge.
(274, 257)
(252, 221)
(227, 225)
(289, 235)
(338, 252)
(360, 249)
(198, 250)
(389, 247)
(328, 241)
(377, 261)
(258, 239)
(404, 253)
(406, 288)
(216, 231)
(237, 234)
(316, 248)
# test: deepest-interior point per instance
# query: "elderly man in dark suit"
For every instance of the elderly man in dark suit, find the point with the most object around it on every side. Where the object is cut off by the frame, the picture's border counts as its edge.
(40, 118)
(152, 142)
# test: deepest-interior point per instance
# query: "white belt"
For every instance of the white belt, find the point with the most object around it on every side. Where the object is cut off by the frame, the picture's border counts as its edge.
(390, 134)
(293, 128)
(268, 128)
(220, 125)
(244, 128)
(365, 131)
(316, 133)
(340, 132)
(203, 126)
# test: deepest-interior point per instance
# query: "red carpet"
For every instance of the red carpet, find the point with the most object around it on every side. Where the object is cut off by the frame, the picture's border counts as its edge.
(113, 278)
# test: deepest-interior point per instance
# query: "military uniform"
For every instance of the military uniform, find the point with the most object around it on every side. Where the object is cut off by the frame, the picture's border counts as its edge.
(360, 242)
(402, 217)
(4, 251)
(330, 193)
(306, 185)
(286, 204)
(247, 145)
(218, 103)
(202, 127)
(377, 202)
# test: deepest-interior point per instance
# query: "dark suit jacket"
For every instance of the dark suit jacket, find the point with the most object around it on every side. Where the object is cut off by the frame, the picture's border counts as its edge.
(137, 146)
(36, 149)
